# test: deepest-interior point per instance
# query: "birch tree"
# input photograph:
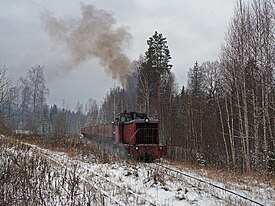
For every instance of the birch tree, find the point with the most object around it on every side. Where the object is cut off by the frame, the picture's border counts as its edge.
(34, 90)
(5, 84)
(248, 68)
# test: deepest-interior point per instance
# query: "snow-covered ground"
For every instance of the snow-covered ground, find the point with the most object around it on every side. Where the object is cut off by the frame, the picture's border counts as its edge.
(131, 183)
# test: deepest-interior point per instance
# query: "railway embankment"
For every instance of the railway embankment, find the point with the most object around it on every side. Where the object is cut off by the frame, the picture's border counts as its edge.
(73, 171)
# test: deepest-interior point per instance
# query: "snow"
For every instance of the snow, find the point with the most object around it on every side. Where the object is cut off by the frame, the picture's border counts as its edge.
(131, 183)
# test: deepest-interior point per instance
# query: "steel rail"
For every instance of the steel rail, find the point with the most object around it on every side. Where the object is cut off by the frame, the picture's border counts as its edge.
(211, 184)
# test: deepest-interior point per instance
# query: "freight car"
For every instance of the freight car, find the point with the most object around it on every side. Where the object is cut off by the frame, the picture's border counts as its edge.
(131, 133)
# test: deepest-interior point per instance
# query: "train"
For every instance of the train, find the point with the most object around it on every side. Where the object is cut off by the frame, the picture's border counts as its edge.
(132, 134)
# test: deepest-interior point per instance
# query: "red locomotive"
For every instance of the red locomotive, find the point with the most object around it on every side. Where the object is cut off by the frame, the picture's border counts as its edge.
(132, 133)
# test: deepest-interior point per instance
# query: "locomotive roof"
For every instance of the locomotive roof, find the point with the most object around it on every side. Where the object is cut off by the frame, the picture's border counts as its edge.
(135, 117)
(141, 121)
(131, 113)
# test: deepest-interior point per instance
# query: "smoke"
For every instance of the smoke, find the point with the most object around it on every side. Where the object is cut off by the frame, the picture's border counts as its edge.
(94, 35)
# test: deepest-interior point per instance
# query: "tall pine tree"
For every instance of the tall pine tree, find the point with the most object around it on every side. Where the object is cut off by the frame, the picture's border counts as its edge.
(156, 65)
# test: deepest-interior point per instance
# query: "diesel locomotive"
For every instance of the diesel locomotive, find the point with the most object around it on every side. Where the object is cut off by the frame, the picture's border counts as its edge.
(132, 133)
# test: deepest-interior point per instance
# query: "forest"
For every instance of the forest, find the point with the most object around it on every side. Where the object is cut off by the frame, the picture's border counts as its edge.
(224, 117)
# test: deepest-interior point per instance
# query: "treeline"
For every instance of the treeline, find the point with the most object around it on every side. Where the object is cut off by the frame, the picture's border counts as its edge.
(23, 107)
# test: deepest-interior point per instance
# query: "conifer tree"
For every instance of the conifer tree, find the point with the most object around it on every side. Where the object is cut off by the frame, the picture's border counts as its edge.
(155, 66)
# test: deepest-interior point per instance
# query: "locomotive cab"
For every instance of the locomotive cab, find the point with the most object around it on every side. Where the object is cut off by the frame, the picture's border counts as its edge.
(140, 134)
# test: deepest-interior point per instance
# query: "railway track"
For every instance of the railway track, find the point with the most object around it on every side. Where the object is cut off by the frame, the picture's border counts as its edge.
(99, 182)
(213, 189)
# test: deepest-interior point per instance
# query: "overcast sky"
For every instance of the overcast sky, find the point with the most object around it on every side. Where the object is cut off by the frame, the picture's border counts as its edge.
(195, 30)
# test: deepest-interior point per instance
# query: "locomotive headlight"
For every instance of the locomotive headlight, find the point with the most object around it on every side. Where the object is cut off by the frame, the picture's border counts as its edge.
(160, 148)
(136, 148)
(146, 119)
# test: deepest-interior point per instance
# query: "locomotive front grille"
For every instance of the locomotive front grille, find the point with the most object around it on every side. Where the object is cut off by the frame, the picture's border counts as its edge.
(147, 134)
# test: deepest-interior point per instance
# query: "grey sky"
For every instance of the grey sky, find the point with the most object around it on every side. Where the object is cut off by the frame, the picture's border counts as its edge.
(195, 30)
